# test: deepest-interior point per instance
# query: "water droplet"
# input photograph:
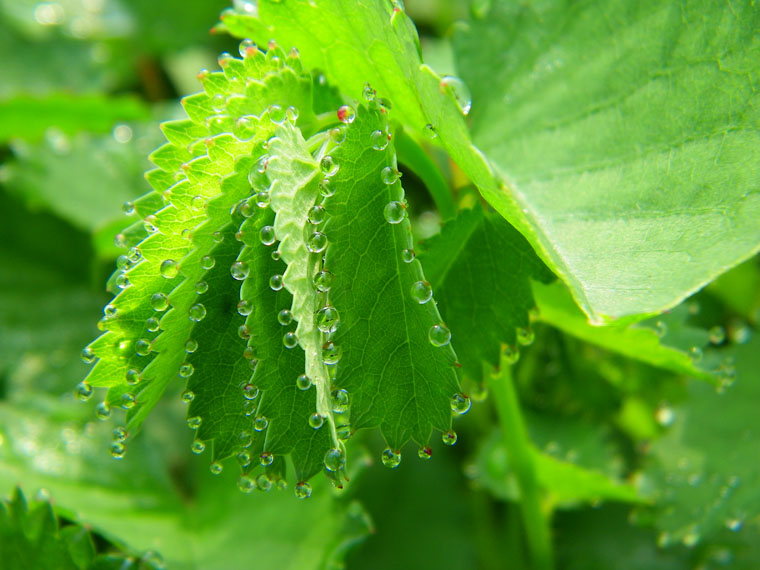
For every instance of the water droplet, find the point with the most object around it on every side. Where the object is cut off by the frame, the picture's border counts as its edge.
(244, 332)
(201, 287)
(250, 392)
(323, 281)
(326, 187)
(368, 93)
(246, 484)
(425, 452)
(244, 308)
(120, 240)
(291, 111)
(328, 166)
(346, 114)
(149, 223)
(285, 317)
(132, 376)
(303, 382)
(152, 324)
(302, 490)
(327, 319)
(207, 262)
(665, 415)
(734, 524)
(83, 391)
(263, 483)
(122, 281)
(340, 401)
(449, 437)
(248, 47)
(511, 354)
(290, 340)
(316, 214)
(239, 270)
(128, 208)
(102, 411)
(338, 134)
(262, 199)
(191, 345)
(197, 447)
(394, 212)
(407, 255)
(187, 396)
(380, 140)
(660, 328)
(120, 433)
(344, 432)
(276, 255)
(260, 423)
(88, 356)
(317, 242)
(331, 353)
(430, 132)
(275, 282)
(525, 335)
(118, 450)
(717, 335)
(389, 175)
(244, 458)
(266, 459)
(186, 370)
(461, 93)
(335, 459)
(142, 347)
(216, 468)
(197, 312)
(460, 404)
(194, 422)
(169, 268)
(439, 335)
(224, 59)
(127, 401)
(696, 354)
(422, 292)
(391, 458)
(316, 420)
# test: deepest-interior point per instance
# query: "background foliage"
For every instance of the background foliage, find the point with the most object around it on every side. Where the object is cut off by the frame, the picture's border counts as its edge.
(641, 437)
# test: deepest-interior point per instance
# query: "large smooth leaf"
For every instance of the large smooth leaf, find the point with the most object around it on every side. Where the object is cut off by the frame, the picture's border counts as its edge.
(627, 134)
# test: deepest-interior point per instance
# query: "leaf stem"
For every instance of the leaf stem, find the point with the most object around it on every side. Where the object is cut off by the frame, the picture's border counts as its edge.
(518, 447)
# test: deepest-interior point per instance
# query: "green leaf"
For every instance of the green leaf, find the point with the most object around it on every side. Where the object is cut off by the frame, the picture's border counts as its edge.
(627, 135)
(700, 483)
(565, 483)
(638, 341)
(480, 268)
(29, 117)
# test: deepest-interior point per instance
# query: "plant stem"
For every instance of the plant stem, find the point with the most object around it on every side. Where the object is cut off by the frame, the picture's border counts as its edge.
(518, 447)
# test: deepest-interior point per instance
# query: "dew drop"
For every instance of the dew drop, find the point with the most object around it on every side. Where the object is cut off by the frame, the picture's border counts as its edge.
(191, 346)
(660, 328)
(346, 114)
(368, 93)
(122, 281)
(460, 404)
(88, 356)
(422, 292)
(266, 459)
(303, 382)
(187, 396)
(285, 317)
(316, 214)
(343, 432)
(316, 420)
(338, 134)
(194, 422)
(152, 324)
(335, 459)
(260, 423)
(511, 354)
(291, 111)
(244, 332)
(380, 140)
(207, 262)
(128, 208)
(317, 242)
(250, 392)
(244, 308)
(665, 415)
(244, 458)
(389, 175)
(407, 255)
(186, 370)
(326, 187)
(449, 437)
(328, 166)
(197, 447)
(216, 468)
(461, 93)
(390, 458)
(142, 347)
(525, 335)
(340, 401)
(132, 376)
(120, 434)
(118, 450)
(277, 114)
(323, 281)
(197, 312)
(217, 237)
(239, 270)
(696, 354)
(290, 340)
(394, 212)
(150, 224)
(430, 132)
(263, 483)
(102, 411)
(246, 484)
(127, 401)
(247, 47)
(275, 282)
(262, 199)
(201, 287)
(302, 490)
(331, 353)
(717, 335)
(327, 319)
(267, 235)
(109, 312)
(169, 268)
(425, 452)
(439, 335)
(83, 391)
